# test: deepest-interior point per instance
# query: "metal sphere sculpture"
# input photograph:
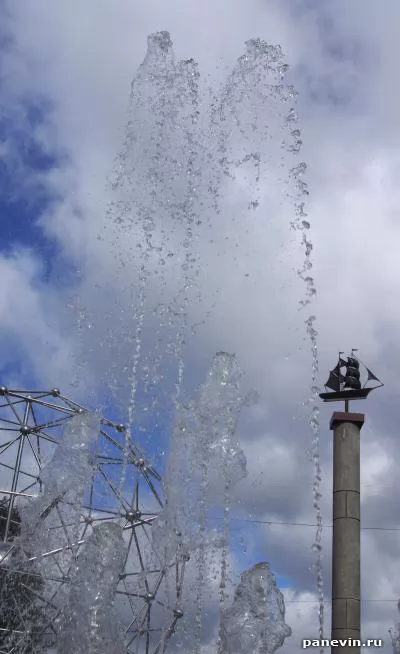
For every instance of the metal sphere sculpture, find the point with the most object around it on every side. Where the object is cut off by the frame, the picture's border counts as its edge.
(124, 489)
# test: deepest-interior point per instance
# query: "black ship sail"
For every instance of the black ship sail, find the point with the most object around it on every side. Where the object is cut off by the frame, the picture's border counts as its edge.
(372, 376)
(346, 385)
(352, 377)
(335, 377)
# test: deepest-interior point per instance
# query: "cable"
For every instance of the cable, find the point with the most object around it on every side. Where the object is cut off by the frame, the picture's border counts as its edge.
(301, 524)
(373, 601)
(325, 485)
(309, 524)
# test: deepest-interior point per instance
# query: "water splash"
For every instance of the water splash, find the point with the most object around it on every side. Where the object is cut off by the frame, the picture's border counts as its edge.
(256, 620)
(248, 126)
(172, 170)
(137, 199)
(88, 625)
(250, 137)
(229, 462)
(300, 223)
(155, 189)
(313, 401)
(65, 478)
(186, 211)
(206, 461)
(82, 325)
(48, 543)
(315, 428)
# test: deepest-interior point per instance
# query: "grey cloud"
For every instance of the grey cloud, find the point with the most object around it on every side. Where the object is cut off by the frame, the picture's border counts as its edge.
(84, 60)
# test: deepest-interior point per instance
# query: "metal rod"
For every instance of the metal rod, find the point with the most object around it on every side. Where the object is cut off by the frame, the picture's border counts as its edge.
(14, 485)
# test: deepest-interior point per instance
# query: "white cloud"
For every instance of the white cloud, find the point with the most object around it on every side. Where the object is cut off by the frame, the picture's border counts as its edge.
(83, 59)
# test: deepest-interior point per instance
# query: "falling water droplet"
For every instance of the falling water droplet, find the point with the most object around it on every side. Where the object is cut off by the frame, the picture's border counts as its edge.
(302, 225)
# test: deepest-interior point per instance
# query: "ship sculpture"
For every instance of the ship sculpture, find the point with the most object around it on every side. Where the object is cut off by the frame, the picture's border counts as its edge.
(345, 381)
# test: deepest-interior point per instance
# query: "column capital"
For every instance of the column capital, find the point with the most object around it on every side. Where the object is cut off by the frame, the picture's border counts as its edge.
(346, 416)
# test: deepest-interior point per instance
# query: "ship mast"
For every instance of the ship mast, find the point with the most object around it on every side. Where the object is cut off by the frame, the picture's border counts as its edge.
(352, 369)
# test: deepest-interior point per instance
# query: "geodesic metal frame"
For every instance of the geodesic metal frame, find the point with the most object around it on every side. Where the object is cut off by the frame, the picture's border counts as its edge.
(31, 424)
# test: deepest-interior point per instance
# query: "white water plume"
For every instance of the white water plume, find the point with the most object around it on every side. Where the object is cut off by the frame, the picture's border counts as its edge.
(189, 155)
(315, 428)
(301, 223)
(205, 462)
(88, 624)
(256, 620)
(299, 194)
(172, 187)
(48, 543)
(155, 200)
(65, 478)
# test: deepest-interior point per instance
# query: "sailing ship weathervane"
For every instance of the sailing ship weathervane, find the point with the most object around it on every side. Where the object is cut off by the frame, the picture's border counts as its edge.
(347, 385)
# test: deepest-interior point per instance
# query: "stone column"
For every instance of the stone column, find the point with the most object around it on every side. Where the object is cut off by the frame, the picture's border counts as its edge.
(346, 620)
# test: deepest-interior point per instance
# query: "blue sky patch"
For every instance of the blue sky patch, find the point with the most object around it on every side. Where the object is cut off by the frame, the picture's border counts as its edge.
(24, 196)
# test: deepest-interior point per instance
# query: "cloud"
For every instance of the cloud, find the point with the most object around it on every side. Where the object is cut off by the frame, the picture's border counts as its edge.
(82, 59)
(22, 304)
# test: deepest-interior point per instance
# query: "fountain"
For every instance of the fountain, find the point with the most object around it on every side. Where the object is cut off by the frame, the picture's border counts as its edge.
(256, 620)
(206, 461)
(85, 523)
(88, 625)
(188, 151)
(61, 468)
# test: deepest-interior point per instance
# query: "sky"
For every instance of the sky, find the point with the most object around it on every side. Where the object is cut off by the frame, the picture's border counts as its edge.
(70, 273)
